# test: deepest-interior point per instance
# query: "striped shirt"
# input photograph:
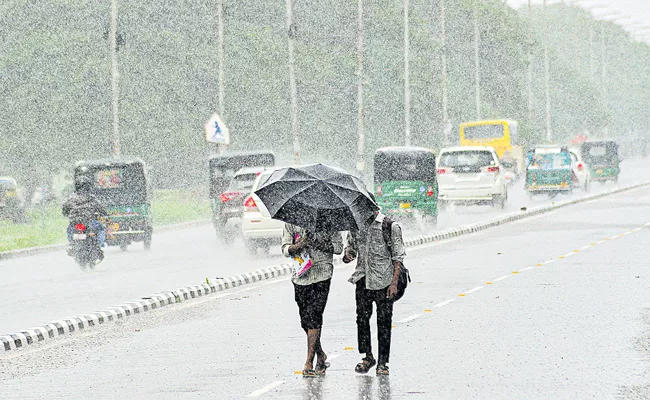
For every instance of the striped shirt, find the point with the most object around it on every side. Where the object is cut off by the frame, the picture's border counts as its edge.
(323, 262)
(375, 261)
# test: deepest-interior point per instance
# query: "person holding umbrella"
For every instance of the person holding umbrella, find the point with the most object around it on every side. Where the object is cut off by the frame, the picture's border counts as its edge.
(375, 277)
(312, 286)
(317, 202)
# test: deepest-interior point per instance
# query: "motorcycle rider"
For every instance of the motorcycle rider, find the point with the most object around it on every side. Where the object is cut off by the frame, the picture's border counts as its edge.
(82, 207)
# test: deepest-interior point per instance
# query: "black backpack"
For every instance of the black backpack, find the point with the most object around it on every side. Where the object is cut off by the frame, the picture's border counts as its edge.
(404, 276)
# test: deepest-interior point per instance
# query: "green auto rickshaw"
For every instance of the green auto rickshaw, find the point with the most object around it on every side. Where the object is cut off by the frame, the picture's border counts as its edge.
(405, 182)
(121, 185)
(602, 159)
(548, 171)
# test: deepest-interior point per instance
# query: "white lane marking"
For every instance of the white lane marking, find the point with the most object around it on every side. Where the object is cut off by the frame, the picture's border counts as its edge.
(411, 318)
(585, 247)
(265, 389)
(444, 303)
(568, 255)
(502, 278)
(476, 289)
(526, 269)
(548, 262)
(333, 357)
(600, 242)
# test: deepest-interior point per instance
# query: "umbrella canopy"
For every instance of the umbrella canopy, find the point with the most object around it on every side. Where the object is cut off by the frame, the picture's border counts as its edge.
(317, 197)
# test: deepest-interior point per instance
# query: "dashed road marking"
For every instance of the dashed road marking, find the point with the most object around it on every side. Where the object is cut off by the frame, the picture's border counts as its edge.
(411, 318)
(502, 278)
(548, 262)
(526, 269)
(443, 303)
(266, 388)
(476, 289)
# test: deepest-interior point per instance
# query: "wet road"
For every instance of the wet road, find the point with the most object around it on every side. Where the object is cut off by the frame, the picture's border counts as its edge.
(554, 306)
(47, 287)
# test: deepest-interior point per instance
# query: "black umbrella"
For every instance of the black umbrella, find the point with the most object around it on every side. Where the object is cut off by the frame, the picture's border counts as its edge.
(317, 197)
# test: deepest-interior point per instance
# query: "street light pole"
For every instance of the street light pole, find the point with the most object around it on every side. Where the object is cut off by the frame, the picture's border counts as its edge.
(292, 83)
(361, 144)
(530, 63)
(115, 79)
(407, 90)
(221, 57)
(477, 63)
(547, 84)
(443, 63)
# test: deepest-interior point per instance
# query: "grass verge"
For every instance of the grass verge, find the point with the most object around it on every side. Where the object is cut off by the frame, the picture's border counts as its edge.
(46, 227)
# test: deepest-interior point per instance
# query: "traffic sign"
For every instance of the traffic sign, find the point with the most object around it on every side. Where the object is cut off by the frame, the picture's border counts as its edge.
(216, 131)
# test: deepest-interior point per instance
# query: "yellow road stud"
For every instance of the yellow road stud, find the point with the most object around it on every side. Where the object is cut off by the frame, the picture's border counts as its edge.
(462, 294)
(515, 272)
(539, 265)
(427, 310)
(348, 348)
(488, 283)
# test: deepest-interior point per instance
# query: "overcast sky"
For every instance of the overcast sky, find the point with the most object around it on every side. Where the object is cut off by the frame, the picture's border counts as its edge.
(638, 10)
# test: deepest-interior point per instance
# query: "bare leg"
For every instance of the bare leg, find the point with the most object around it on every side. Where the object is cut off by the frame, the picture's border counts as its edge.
(313, 342)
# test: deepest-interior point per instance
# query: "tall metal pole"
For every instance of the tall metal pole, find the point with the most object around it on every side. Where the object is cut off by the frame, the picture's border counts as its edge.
(361, 144)
(407, 90)
(443, 62)
(477, 62)
(221, 57)
(603, 72)
(292, 84)
(222, 61)
(547, 85)
(115, 81)
(530, 63)
(591, 52)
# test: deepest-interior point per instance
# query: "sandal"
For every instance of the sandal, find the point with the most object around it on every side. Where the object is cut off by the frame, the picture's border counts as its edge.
(364, 366)
(382, 369)
(308, 373)
(321, 369)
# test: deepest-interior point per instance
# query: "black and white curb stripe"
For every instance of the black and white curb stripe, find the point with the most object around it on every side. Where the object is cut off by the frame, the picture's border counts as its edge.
(81, 323)
(18, 340)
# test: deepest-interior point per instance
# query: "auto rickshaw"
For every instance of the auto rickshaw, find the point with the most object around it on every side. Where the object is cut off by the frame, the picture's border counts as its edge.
(10, 205)
(121, 185)
(602, 159)
(405, 182)
(224, 202)
(549, 172)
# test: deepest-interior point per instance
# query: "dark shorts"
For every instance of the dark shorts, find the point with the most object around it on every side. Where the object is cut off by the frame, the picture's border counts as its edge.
(311, 300)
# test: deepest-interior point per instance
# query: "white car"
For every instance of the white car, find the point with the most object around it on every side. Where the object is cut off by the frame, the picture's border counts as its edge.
(580, 169)
(258, 229)
(470, 175)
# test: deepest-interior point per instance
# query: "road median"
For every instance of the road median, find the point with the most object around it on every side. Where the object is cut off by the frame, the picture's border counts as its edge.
(47, 332)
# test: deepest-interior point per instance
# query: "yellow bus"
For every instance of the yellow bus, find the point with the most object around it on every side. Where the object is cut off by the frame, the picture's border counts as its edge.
(500, 134)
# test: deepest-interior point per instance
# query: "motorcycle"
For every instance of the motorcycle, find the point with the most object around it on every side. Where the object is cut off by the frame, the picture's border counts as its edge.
(85, 246)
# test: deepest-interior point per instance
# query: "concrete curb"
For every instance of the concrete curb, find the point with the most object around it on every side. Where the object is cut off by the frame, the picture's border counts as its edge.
(14, 341)
(30, 251)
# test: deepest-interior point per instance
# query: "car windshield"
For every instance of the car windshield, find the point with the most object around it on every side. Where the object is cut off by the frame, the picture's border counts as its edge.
(549, 161)
(123, 185)
(242, 182)
(484, 132)
(474, 159)
(404, 167)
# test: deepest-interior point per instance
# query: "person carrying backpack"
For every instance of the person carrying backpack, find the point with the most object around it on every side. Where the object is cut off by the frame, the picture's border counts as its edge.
(379, 249)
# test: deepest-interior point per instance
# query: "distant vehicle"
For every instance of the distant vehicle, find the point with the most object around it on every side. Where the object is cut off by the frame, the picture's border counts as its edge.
(232, 200)
(405, 182)
(501, 135)
(222, 169)
(549, 171)
(84, 245)
(121, 185)
(603, 160)
(10, 205)
(471, 175)
(258, 229)
(580, 169)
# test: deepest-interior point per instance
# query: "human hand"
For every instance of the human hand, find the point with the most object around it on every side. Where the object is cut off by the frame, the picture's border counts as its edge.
(392, 290)
(348, 256)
